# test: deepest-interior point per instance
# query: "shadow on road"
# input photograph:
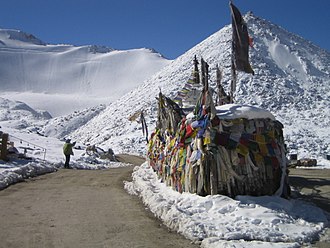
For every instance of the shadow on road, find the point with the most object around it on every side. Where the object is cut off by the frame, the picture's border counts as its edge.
(315, 190)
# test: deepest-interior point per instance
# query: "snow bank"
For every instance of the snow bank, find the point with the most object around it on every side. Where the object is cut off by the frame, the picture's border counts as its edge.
(234, 111)
(215, 220)
(17, 171)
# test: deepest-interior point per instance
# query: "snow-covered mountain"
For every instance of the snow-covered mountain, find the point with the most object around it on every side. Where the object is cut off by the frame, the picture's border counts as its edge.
(291, 80)
(80, 76)
(19, 115)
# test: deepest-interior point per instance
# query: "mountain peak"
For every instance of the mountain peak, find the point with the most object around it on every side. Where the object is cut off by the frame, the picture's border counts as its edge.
(99, 49)
(17, 35)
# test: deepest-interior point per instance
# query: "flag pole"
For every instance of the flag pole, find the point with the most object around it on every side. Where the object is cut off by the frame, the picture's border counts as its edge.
(196, 72)
(233, 81)
(233, 68)
(222, 97)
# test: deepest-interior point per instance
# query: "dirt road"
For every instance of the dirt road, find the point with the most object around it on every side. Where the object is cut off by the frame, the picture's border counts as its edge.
(312, 185)
(80, 208)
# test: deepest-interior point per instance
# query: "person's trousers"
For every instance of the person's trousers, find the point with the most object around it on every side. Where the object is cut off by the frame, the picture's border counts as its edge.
(67, 161)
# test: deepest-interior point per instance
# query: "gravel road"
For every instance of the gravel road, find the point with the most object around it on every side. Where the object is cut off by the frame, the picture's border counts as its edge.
(313, 185)
(80, 208)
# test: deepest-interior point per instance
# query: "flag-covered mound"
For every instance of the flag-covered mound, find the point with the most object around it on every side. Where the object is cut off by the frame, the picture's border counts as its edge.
(237, 150)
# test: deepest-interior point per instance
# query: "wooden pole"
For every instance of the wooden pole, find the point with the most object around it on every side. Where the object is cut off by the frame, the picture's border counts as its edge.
(196, 72)
(4, 141)
(233, 81)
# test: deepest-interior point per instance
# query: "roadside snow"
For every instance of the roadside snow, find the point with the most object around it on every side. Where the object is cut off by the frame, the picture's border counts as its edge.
(219, 221)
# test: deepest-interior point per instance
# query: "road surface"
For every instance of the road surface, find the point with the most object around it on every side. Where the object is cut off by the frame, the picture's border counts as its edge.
(313, 185)
(80, 208)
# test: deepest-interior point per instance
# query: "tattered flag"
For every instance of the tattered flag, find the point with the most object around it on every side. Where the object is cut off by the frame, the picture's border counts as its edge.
(240, 41)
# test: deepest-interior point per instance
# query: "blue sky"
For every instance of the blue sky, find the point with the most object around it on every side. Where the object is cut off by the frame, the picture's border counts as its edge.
(169, 26)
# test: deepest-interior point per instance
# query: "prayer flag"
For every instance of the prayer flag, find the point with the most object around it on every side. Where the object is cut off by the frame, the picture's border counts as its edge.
(240, 42)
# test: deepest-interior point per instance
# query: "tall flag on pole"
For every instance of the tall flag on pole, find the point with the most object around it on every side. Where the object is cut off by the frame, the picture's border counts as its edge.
(190, 91)
(205, 104)
(222, 97)
(205, 74)
(144, 125)
(196, 72)
(240, 41)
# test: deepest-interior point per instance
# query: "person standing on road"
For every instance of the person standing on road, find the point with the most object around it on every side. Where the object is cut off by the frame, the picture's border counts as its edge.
(67, 150)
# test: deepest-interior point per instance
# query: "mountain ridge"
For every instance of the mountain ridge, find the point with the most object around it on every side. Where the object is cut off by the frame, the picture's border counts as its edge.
(17, 35)
(90, 75)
